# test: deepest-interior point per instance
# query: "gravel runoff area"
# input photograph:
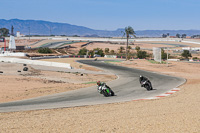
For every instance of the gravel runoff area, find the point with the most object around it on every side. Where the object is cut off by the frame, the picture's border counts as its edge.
(179, 112)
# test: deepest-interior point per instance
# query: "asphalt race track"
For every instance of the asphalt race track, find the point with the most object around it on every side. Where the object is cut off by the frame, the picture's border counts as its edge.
(126, 88)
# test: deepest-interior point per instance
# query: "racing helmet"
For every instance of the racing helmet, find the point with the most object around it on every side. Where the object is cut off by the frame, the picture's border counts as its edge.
(98, 83)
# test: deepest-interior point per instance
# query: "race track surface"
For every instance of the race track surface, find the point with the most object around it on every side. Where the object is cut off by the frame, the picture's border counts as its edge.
(126, 88)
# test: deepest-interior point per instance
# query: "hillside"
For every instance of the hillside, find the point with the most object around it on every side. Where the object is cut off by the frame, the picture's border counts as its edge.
(39, 27)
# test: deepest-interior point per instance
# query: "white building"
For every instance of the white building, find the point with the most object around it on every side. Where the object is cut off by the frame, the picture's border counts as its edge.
(18, 34)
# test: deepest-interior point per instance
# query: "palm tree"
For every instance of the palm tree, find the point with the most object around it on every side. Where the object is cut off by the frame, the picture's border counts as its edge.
(128, 31)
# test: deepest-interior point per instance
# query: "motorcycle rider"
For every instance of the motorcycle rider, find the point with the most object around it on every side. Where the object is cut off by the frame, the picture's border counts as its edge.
(100, 86)
(143, 79)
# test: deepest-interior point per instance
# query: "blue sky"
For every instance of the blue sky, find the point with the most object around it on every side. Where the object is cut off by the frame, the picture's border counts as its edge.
(108, 14)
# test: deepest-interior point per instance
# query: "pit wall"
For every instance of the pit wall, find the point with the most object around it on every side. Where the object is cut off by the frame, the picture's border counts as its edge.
(35, 62)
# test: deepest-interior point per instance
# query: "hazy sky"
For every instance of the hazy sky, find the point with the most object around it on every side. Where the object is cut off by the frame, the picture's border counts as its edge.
(108, 14)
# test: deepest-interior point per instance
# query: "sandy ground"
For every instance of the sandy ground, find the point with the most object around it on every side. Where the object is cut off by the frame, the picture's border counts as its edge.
(178, 113)
(20, 42)
(116, 47)
(16, 85)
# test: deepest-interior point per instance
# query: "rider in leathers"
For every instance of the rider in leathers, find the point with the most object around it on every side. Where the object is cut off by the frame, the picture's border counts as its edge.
(143, 79)
(100, 86)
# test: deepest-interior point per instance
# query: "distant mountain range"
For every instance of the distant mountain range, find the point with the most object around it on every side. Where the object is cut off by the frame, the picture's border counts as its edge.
(38, 27)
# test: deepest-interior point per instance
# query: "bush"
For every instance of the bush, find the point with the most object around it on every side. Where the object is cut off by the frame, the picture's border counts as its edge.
(99, 52)
(82, 51)
(107, 50)
(91, 53)
(141, 54)
(44, 50)
(186, 54)
(121, 49)
(195, 58)
(163, 54)
(112, 51)
(137, 48)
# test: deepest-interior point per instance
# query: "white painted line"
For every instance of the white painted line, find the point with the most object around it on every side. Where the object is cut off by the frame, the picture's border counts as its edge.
(151, 98)
(164, 95)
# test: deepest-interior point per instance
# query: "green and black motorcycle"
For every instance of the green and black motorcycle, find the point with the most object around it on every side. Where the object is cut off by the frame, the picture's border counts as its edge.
(106, 91)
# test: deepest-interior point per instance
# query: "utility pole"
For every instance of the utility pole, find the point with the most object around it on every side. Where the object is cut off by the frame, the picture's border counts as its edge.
(4, 43)
(167, 57)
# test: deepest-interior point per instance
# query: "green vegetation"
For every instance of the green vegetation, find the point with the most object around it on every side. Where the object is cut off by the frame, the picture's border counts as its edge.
(172, 44)
(195, 58)
(137, 48)
(107, 50)
(91, 53)
(112, 52)
(163, 54)
(142, 54)
(112, 61)
(71, 42)
(44, 50)
(186, 54)
(99, 52)
(121, 49)
(90, 83)
(155, 62)
(129, 48)
(4, 32)
(82, 51)
(42, 45)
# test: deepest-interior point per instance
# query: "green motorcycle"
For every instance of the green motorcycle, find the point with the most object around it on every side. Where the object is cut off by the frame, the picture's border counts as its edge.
(106, 91)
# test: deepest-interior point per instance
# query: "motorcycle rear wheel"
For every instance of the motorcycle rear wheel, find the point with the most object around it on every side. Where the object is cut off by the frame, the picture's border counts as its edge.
(148, 87)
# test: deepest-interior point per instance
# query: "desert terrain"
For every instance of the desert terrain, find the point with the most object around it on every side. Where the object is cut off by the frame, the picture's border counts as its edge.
(179, 112)
(17, 84)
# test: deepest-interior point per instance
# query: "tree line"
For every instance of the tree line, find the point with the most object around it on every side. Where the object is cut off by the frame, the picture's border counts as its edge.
(177, 35)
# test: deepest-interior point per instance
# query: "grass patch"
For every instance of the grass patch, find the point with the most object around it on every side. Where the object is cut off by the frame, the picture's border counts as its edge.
(68, 43)
(111, 61)
(155, 62)
(176, 45)
(90, 83)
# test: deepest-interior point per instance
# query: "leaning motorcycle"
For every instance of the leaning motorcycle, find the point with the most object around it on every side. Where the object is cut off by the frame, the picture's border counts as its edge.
(146, 84)
(106, 91)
